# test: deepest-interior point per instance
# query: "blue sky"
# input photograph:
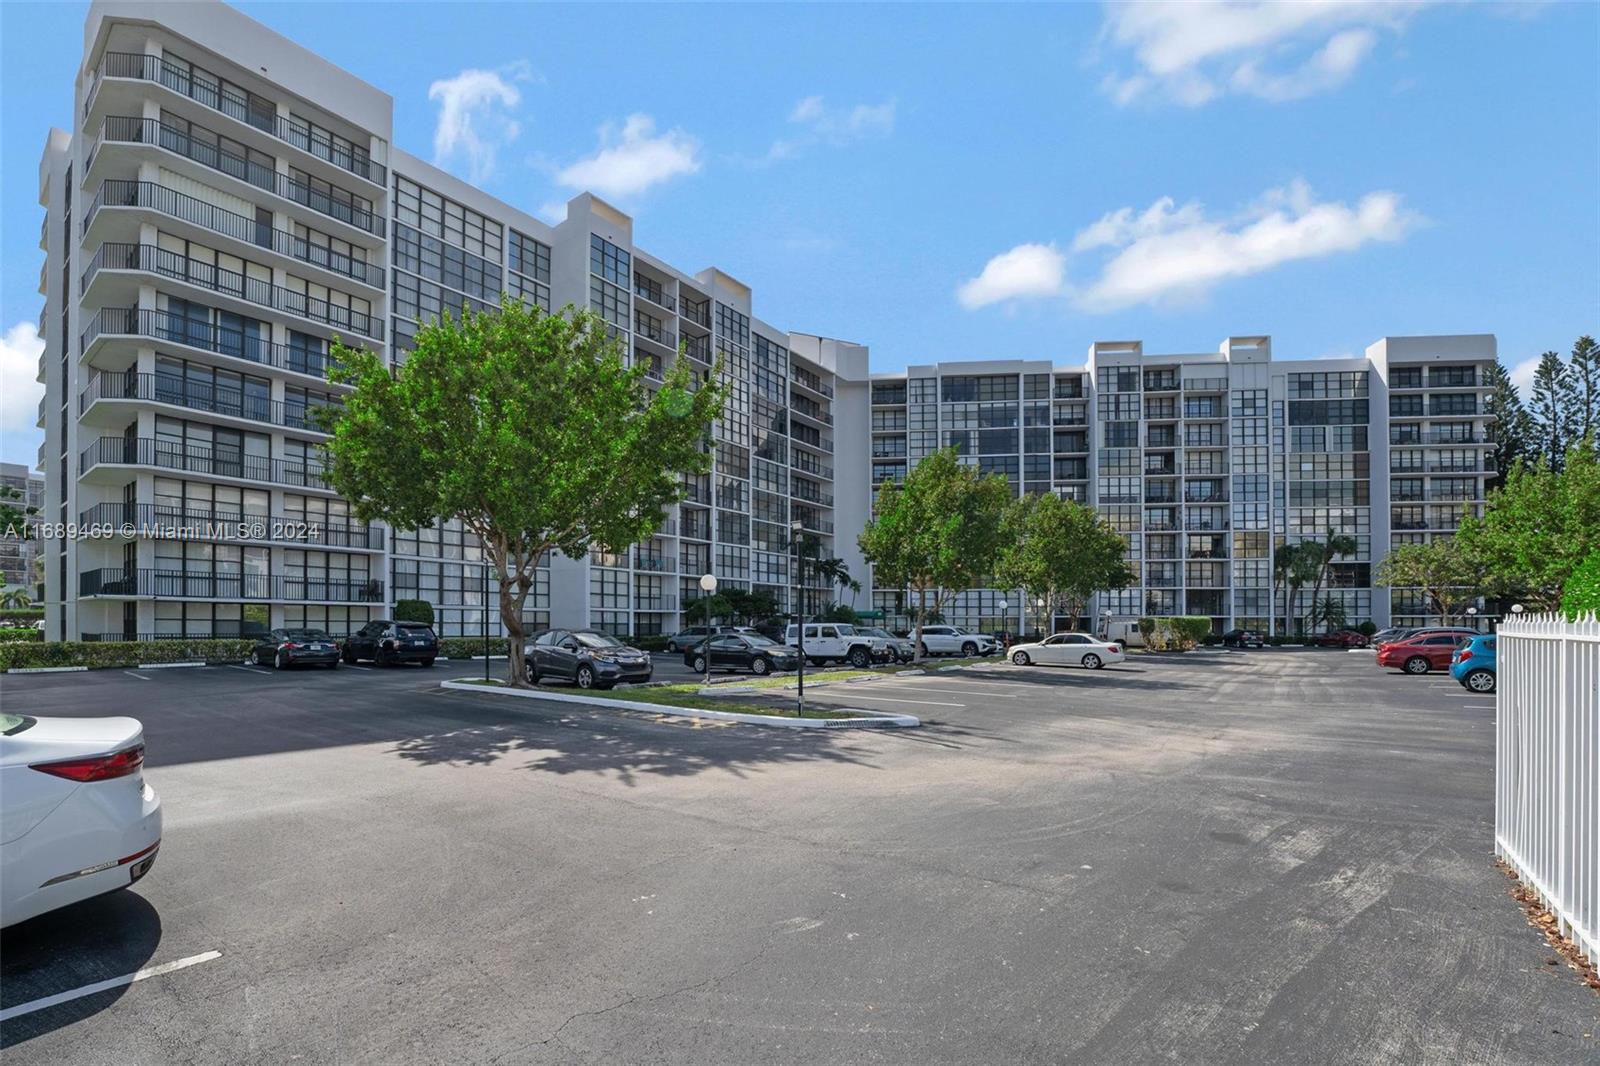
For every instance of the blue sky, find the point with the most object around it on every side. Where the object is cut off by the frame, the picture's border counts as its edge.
(955, 182)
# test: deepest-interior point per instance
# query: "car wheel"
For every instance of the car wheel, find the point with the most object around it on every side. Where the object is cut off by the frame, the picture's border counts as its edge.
(699, 664)
(860, 657)
(1479, 680)
(760, 666)
(1092, 662)
(969, 649)
(1417, 664)
(925, 651)
(585, 676)
(1020, 658)
(530, 673)
(277, 661)
(334, 665)
(427, 662)
(255, 657)
(348, 656)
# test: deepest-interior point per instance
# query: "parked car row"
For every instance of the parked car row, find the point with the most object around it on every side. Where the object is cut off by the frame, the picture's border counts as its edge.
(1466, 653)
(385, 642)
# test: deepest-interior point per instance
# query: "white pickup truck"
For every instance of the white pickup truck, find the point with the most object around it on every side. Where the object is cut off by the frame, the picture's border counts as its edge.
(835, 641)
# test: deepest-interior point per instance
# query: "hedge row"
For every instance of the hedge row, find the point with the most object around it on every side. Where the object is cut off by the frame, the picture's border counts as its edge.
(21, 614)
(1178, 633)
(9, 635)
(467, 647)
(100, 654)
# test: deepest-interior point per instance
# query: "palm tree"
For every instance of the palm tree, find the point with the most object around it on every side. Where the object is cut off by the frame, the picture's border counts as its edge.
(15, 599)
(1325, 553)
(1283, 557)
(1304, 566)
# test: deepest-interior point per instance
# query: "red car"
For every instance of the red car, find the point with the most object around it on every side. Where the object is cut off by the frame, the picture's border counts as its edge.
(1344, 638)
(1421, 653)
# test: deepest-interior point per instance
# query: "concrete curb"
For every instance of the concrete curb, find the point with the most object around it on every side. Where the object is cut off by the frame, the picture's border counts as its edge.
(164, 666)
(46, 669)
(470, 658)
(874, 721)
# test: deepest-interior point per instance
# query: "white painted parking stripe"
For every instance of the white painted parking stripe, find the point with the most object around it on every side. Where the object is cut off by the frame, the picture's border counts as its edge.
(974, 692)
(251, 669)
(102, 986)
(856, 694)
(354, 666)
(141, 677)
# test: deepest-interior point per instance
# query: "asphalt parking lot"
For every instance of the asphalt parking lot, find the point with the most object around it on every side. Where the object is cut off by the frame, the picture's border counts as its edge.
(1228, 857)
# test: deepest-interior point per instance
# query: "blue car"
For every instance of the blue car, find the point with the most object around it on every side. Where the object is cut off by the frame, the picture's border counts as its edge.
(1473, 664)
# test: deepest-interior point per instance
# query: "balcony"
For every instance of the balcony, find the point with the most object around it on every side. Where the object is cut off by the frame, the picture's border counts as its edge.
(176, 455)
(807, 380)
(1159, 381)
(811, 522)
(152, 260)
(656, 564)
(1067, 390)
(1437, 436)
(698, 313)
(197, 396)
(806, 409)
(179, 584)
(806, 463)
(184, 523)
(698, 348)
(813, 440)
(655, 603)
(209, 92)
(126, 129)
(652, 331)
(653, 294)
(223, 340)
(811, 495)
(151, 196)
(1205, 385)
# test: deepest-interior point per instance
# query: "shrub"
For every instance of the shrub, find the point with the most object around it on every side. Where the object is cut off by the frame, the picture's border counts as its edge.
(1189, 630)
(10, 635)
(1367, 628)
(21, 614)
(121, 653)
(467, 647)
(413, 611)
(1581, 594)
(650, 642)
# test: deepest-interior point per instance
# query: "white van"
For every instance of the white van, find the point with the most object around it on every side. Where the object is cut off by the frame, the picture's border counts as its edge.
(1124, 632)
(837, 642)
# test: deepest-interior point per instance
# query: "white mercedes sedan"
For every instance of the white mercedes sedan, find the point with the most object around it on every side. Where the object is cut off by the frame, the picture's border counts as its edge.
(1068, 649)
(77, 818)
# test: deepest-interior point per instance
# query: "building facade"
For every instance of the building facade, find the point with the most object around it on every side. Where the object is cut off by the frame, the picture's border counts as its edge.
(228, 204)
(1205, 462)
(17, 554)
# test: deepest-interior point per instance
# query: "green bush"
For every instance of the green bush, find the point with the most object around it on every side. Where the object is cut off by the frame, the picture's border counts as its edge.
(121, 653)
(1189, 630)
(1367, 628)
(10, 635)
(650, 642)
(413, 611)
(467, 647)
(21, 614)
(1581, 594)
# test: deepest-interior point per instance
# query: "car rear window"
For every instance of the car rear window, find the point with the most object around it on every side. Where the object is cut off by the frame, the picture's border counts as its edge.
(414, 627)
(12, 724)
(306, 634)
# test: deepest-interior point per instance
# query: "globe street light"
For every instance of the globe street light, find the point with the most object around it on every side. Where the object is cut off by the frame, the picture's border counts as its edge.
(1516, 608)
(708, 582)
(1004, 621)
(796, 534)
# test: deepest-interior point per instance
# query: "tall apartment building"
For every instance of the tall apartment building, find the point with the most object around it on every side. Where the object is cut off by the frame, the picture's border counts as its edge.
(18, 553)
(227, 204)
(1205, 461)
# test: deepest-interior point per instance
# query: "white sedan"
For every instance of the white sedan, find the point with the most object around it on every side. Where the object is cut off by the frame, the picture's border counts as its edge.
(1068, 649)
(77, 818)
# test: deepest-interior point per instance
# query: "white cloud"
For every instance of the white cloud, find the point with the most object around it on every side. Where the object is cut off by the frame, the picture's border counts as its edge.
(633, 159)
(1192, 52)
(820, 124)
(1026, 271)
(1169, 254)
(20, 347)
(1522, 377)
(475, 117)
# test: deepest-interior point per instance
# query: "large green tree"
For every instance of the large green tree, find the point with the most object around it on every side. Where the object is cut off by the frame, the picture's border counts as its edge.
(1537, 528)
(937, 533)
(1061, 553)
(1513, 429)
(1442, 571)
(1584, 369)
(1552, 409)
(531, 428)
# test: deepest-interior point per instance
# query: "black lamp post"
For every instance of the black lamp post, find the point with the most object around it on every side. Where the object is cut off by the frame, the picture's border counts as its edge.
(795, 528)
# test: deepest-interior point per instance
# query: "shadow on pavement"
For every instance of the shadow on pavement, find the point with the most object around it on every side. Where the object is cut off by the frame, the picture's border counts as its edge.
(98, 939)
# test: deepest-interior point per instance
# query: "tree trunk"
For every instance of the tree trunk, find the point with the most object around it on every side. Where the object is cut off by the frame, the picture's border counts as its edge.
(916, 631)
(515, 583)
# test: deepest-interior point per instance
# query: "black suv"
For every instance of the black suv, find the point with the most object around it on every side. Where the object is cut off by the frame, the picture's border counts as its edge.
(586, 657)
(388, 643)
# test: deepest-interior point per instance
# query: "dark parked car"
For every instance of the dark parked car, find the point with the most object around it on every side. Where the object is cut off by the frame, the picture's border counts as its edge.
(1243, 638)
(742, 651)
(389, 643)
(1343, 638)
(689, 636)
(296, 647)
(586, 657)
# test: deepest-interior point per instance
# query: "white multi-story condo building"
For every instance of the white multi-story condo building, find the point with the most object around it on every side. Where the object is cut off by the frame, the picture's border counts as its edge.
(228, 203)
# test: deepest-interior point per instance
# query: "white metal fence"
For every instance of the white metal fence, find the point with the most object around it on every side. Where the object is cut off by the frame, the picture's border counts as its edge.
(1547, 765)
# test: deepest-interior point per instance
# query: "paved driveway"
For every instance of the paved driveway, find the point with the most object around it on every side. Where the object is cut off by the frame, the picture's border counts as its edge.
(1259, 857)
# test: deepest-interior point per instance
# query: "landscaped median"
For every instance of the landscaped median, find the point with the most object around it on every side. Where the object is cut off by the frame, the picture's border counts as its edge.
(695, 701)
(52, 656)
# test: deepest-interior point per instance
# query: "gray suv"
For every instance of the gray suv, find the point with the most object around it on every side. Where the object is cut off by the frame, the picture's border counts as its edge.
(586, 657)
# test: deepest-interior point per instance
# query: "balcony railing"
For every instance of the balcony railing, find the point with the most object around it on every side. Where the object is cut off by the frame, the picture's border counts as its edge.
(1067, 390)
(811, 411)
(1206, 385)
(178, 455)
(655, 603)
(700, 314)
(658, 564)
(654, 295)
(644, 328)
(179, 584)
(810, 381)
(821, 443)
(813, 523)
(697, 348)
(824, 499)
(190, 271)
(186, 523)
(199, 396)
(211, 337)
(210, 92)
(126, 129)
(807, 463)
(118, 192)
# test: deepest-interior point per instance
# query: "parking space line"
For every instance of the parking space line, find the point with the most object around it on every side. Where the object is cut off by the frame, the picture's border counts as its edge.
(354, 666)
(856, 695)
(251, 669)
(141, 677)
(101, 986)
(976, 692)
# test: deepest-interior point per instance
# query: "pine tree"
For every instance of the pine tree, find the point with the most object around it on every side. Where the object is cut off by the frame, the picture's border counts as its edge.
(1513, 429)
(1585, 373)
(1554, 401)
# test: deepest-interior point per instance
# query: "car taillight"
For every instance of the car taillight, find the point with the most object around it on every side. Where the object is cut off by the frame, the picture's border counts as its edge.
(1465, 655)
(96, 767)
(291, 645)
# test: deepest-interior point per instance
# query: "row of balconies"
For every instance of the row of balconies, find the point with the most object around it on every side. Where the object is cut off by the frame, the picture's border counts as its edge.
(197, 459)
(200, 396)
(151, 259)
(155, 521)
(210, 585)
(207, 336)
